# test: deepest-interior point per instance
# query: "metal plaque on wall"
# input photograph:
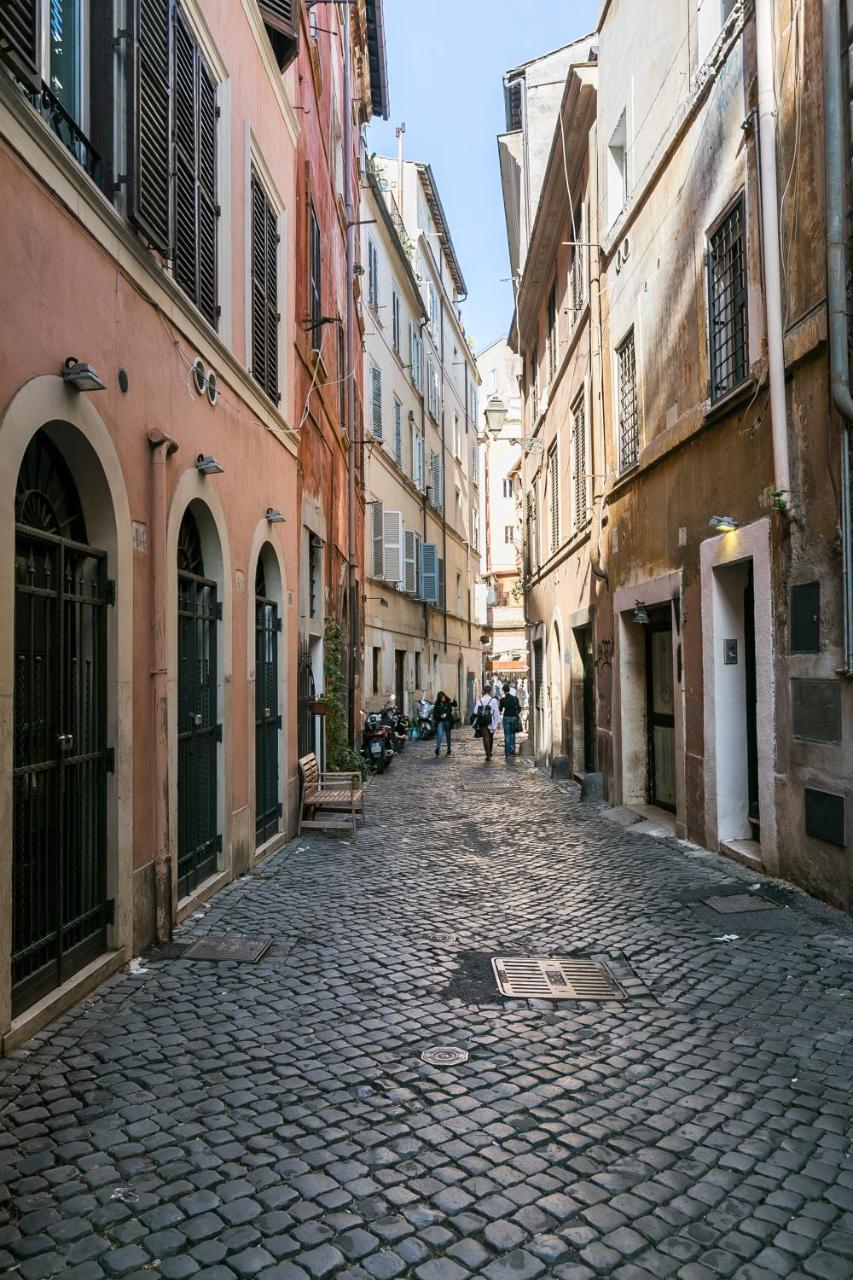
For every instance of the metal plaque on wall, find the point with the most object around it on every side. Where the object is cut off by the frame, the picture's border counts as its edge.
(816, 710)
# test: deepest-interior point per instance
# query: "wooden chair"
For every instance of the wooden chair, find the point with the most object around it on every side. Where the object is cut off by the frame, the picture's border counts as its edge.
(330, 801)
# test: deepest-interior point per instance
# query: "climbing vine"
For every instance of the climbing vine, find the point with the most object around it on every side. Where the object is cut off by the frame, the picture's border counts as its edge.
(340, 756)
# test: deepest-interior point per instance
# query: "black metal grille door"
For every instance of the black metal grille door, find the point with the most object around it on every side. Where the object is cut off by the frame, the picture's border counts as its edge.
(59, 907)
(199, 842)
(267, 719)
(307, 723)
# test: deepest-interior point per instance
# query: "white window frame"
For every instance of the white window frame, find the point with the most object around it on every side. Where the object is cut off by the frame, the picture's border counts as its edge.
(372, 275)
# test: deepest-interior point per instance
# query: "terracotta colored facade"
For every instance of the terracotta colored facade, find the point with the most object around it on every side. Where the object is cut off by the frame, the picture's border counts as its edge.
(167, 711)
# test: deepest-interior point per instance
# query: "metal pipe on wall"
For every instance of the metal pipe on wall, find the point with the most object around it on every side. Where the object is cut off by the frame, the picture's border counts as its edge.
(767, 112)
(836, 263)
(353, 602)
(162, 447)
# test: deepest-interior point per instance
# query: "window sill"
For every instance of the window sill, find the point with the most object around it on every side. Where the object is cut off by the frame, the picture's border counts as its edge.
(739, 395)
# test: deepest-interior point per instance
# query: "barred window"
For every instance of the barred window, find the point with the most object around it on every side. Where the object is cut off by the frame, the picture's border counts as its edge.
(727, 303)
(629, 420)
(579, 461)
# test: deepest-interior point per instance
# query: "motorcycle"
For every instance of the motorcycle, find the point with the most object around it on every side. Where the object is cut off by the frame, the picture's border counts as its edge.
(398, 724)
(376, 746)
(424, 723)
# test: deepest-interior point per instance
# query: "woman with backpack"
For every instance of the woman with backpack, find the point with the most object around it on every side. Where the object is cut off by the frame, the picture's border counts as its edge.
(442, 714)
(485, 718)
(511, 709)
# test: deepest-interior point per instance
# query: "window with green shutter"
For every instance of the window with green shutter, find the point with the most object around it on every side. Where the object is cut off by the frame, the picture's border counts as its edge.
(265, 313)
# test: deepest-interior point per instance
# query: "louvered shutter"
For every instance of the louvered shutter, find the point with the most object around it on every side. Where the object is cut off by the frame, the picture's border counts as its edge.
(265, 317)
(398, 433)
(435, 480)
(441, 584)
(393, 539)
(150, 82)
(194, 131)
(282, 15)
(579, 432)
(19, 34)
(410, 561)
(429, 572)
(378, 538)
(376, 402)
(554, 488)
(208, 211)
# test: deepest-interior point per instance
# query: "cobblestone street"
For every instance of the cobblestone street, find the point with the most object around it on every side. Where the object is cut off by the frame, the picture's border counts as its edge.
(232, 1120)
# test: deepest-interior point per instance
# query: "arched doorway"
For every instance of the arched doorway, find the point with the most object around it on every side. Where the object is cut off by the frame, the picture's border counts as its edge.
(267, 694)
(60, 911)
(199, 730)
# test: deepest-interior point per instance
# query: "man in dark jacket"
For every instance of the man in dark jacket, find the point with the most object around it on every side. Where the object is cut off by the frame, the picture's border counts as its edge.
(511, 711)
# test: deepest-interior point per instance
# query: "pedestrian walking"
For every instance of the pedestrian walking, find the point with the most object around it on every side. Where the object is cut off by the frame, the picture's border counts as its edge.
(442, 714)
(486, 717)
(511, 710)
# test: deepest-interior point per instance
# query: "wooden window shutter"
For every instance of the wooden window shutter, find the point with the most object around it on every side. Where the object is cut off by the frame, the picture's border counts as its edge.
(429, 572)
(378, 539)
(281, 15)
(441, 584)
(376, 402)
(194, 134)
(410, 561)
(265, 315)
(19, 34)
(393, 538)
(150, 89)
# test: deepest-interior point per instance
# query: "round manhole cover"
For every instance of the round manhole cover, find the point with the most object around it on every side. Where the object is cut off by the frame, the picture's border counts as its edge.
(444, 1056)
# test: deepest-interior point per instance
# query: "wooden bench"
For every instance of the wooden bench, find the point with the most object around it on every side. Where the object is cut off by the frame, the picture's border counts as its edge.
(330, 801)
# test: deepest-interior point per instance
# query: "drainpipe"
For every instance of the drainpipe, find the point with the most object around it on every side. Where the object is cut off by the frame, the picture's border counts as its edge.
(162, 447)
(767, 112)
(352, 603)
(836, 253)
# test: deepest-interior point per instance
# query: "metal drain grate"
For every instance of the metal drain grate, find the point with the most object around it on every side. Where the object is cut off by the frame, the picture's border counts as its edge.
(736, 903)
(494, 788)
(444, 1056)
(555, 978)
(246, 950)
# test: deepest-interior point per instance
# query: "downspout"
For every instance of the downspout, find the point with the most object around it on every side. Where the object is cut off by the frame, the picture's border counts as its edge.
(162, 447)
(353, 602)
(836, 259)
(767, 112)
(599, 461)
(422, 399)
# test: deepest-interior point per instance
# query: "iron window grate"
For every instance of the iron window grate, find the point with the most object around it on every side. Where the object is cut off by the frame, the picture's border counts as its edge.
(727, 326)
(629, 421)
(555, 978)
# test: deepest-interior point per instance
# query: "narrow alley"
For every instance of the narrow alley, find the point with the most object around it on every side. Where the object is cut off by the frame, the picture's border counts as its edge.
(277, 1119)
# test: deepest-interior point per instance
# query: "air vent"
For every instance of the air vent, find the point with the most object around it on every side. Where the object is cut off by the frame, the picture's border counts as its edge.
(555, 978)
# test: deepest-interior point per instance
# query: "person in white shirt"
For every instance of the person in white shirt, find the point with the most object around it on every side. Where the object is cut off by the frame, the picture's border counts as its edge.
(486, 717)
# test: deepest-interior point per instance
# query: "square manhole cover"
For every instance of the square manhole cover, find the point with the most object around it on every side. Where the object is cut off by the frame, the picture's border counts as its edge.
(555, 978)
(217, 947)
(736, 903)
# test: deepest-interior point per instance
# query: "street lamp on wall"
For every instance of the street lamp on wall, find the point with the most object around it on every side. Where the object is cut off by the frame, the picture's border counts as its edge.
(495, 414)
(80, 375)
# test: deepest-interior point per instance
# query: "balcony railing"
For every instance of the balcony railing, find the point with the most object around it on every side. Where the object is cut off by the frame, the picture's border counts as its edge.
(54, 114)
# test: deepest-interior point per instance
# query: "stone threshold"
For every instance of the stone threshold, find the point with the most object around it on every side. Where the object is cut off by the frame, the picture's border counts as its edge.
(57, 1002)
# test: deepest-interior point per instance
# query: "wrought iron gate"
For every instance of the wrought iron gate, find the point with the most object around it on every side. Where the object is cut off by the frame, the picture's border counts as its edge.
(307, 722)
(60, 757)
(199, 842)
(267, 719)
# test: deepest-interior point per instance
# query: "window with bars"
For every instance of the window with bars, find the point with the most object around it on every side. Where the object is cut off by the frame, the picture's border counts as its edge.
(265, 314)
(554, 498)
(579, 462)
(552, 333)
(315, 276)
(626, 394)
(727, 324)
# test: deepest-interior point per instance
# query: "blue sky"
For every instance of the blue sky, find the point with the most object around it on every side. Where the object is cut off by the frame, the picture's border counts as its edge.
(446, 62)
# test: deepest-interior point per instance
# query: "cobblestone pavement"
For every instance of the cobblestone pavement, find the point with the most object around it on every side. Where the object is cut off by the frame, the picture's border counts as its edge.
(275, 1120)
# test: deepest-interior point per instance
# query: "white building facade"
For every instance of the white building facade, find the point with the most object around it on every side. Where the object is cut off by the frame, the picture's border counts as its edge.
(421, 466)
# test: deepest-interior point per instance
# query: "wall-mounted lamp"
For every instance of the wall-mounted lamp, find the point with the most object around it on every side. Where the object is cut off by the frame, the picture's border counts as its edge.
(641, 614)
(208, 466)
(723, 524)
(81, 375)
(274, 516)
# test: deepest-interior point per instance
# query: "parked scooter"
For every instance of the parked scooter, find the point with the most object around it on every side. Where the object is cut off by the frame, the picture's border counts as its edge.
(424, 723)
(398, 724)
(376, 744)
